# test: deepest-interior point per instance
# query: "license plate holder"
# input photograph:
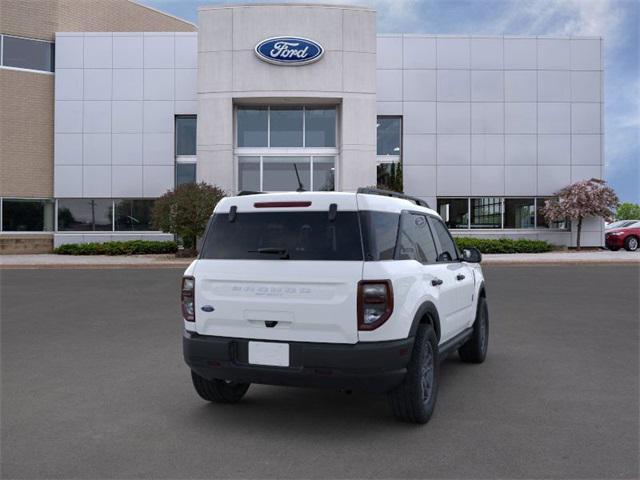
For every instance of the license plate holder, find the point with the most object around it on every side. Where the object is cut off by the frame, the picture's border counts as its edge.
(269, 353)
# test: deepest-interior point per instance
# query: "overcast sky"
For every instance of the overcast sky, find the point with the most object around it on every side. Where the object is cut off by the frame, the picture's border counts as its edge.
(617, 21)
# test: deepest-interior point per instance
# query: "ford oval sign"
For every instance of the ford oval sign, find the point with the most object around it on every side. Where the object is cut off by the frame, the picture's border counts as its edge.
(289, 51)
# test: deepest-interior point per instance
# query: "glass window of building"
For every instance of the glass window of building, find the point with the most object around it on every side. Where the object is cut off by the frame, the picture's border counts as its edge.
(320, 127)
(486, 212)
(389, 133)
(133, 215)
(186, 135)
(286, 127)
(519, 213)
(447, 247)
(27, 215)
(286, 173)
(249, 174)
(324, 170)
(186, 140)
(85, 215)
(253, 126)
(542, 222)
(454, 212)
(185, 173)
(27, 53)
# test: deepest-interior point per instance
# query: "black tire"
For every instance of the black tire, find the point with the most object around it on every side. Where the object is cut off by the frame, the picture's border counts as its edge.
(415, 398)
(631, 243)
(219, 391)
(474, 350)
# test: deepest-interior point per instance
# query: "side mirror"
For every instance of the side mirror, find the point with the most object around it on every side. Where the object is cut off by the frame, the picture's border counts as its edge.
(471, 255)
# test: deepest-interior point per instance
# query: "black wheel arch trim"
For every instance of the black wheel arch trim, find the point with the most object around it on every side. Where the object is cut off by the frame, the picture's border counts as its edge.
(426, 310)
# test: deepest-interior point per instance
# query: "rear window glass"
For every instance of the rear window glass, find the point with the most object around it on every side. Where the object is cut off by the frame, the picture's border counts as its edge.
(380, 231)
(283, 235)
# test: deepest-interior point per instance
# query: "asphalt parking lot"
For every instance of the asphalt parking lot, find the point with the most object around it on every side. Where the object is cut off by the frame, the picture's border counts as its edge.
(93, 386)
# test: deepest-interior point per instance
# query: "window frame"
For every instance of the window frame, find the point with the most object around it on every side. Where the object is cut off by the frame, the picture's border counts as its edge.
(22, 69)
(267, 151)
(389, 159)
(537, 228)
(183, 159)
(27, 199)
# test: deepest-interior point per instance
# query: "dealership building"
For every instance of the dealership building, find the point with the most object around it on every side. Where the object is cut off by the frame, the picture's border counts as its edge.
(107, 105)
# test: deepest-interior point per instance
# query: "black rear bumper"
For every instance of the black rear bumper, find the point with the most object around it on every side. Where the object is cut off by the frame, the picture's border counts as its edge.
(371, 366)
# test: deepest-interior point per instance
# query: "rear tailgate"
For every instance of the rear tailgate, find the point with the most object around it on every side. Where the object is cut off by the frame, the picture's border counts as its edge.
(285, 273)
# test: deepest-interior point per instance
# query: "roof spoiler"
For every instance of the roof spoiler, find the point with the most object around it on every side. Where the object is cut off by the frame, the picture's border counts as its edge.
(388, 193)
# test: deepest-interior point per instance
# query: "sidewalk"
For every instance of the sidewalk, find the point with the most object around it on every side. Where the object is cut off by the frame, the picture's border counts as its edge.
(170, 261)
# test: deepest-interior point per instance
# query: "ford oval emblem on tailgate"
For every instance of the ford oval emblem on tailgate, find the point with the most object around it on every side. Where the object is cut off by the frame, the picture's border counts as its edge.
(207, 308)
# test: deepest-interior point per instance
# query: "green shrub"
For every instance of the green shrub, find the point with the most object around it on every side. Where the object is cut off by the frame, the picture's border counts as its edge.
(504, 245)
(131, 247)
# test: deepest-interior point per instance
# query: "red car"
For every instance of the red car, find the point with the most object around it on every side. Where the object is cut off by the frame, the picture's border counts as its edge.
(627, 237)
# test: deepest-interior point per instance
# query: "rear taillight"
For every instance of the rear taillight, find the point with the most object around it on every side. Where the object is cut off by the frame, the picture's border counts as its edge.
(187, 299)
(375, 303)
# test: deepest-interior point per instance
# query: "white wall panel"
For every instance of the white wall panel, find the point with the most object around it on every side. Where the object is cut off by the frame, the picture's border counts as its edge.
(68, 116)
(389, 85)
(96, 149)
(487, 53)
(158, 149)
(126, 149)
(487, 117)
(552, 178)
(158, 84)
(454, 117)
(419, 149)
(520, 53)
(156, 180)
(98, 51)
(158, 51)
(585, 86)
(521, 85)
(389, 52)
(97, 84)
(96, 117)
(520, 149)
(454, 85)
(586, 150)
(68, 84)
(419, 85)
(128, 84)
(419, 52)
(520, 118)
(419, 117)
(454, 149)
(68, 149)
(69, 50)
(186, 84)
(453, 180)
(554, 86)
(186, 50)
(487, 85)
(96, 181)
(420, 180)
(487, 149)
(67, 181)
(487, 180)
(520, 180)
(158, 117)
(554, 149)
(554, 54)
(554, 118)
(453, 52)
(586, 54)
(585, 118)
(126, 181)
(127, 51)
(127, 117)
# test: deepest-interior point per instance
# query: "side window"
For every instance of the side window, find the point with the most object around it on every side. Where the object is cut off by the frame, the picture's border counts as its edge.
(415, 241)
(448, 250)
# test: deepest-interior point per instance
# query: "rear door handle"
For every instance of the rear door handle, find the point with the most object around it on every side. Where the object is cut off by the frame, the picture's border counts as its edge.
(460, 277)
(436, 281)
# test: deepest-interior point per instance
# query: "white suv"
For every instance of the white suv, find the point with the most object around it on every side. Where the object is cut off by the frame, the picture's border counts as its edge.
(352, 291)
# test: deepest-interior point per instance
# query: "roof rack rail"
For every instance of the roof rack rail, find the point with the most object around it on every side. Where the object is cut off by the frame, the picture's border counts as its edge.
(248, 192)
(389, 193)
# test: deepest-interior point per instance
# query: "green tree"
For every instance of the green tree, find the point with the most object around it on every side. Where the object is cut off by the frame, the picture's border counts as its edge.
(186, 210)
(628, 211)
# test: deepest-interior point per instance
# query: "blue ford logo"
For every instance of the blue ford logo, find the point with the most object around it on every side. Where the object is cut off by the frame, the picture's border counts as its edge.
(289, 50)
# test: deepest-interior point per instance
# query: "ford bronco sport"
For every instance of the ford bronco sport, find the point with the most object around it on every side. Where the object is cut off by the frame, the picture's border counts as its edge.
(352, 291)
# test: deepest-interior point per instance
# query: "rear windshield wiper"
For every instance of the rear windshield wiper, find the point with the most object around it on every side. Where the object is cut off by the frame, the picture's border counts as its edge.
(283, 252)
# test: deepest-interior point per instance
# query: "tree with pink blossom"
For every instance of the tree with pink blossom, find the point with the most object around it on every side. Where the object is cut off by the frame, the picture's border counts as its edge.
(586, 198)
